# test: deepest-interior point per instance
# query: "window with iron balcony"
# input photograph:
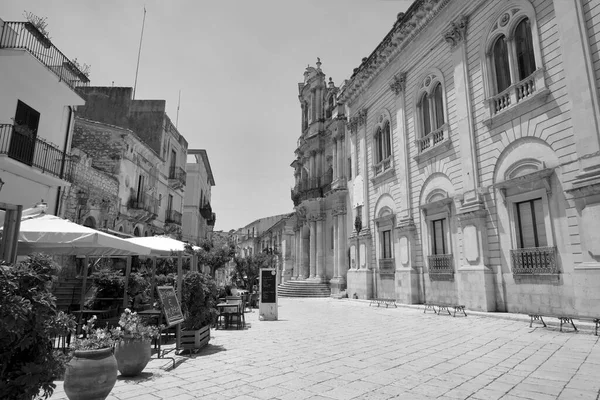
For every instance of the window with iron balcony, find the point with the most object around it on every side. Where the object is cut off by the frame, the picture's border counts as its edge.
(514, 74)
(383, 166)
(433, 129)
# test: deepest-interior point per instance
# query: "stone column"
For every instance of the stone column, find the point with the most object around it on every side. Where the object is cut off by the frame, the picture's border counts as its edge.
(313, 248)
(335, 159)
(342, 259)
(300, 260)
(320, 274)
(335, 246)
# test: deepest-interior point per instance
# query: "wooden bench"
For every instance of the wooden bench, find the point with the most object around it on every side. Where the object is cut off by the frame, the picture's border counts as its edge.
(441, 307)
(386, 302)
(565, 319)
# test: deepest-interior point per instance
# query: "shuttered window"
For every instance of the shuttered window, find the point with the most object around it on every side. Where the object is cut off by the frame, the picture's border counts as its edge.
(439, 227)
(386, 239)
(531, 231)
(524, 47)
(500, 54)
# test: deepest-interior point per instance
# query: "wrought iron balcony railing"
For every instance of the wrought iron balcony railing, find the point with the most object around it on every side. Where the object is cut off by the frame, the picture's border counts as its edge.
(173, 217)
(35, 152)
(534, 261)
(177, 176)
(23, 35)
(440, 267)
(206, 211)
(144, 202)
(212, 220)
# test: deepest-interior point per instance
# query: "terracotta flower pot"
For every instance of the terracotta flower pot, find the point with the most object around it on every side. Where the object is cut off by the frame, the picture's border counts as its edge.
(132, 355)
(91, 374)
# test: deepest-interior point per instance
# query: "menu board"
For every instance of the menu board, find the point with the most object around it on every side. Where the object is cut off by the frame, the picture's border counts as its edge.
(268, 289)
(170, 305)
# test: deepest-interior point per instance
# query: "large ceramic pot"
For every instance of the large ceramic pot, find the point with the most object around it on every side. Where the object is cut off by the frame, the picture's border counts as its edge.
(132, 355)
(91, 374)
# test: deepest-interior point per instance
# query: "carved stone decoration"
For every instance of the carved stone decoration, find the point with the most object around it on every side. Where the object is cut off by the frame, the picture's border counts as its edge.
(362, 117)
(398, 83)
(457, 32)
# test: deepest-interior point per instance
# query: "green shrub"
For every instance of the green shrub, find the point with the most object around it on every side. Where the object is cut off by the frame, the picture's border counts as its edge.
(198, 301)
(29, 324)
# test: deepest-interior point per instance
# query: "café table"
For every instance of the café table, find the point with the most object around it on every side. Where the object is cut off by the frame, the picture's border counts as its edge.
(225, 312)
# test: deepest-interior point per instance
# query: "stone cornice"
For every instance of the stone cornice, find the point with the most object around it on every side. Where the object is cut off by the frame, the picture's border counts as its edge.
(403, 32)
(341, 210)
(457, 32)
(584, 191)
(357, 121)
(464, 218)
(398, 83)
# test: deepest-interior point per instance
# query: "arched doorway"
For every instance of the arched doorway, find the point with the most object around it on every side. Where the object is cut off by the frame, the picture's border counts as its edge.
(136, 232)
(90, 222)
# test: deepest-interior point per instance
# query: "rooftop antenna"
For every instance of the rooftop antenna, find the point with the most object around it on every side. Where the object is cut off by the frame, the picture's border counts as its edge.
(178, 103)
(139, 53)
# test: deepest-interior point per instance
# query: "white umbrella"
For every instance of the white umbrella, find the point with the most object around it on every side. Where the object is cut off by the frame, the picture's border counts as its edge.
(160, 245)
(53, 235)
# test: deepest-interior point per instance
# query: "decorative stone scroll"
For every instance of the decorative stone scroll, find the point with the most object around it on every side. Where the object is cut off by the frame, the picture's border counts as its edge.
(457, 32)
(398, 83)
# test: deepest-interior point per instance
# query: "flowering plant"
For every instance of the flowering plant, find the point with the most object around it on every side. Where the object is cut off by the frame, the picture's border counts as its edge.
(95, 338)
(131, 326)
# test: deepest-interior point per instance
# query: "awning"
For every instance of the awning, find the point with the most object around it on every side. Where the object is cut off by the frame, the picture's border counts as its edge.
(160, 245)
(53, 235)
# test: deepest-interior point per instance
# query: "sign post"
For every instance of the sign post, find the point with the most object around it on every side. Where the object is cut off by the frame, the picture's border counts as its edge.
(172, 312)
(268, 294)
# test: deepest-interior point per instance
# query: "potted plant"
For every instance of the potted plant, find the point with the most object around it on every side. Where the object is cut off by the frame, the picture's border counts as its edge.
(133, 341)
(199, 307)
(92, 372)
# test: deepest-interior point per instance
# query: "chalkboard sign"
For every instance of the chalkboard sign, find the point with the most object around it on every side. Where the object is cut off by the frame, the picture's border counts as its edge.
(170, 305)
(268, 288)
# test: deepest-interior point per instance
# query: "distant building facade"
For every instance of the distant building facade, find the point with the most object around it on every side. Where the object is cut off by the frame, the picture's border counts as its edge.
(198, 216)
(472, 155)
(38, 99)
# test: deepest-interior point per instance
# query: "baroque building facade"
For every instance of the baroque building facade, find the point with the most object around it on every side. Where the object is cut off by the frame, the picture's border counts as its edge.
(474, 158)
(198, 216)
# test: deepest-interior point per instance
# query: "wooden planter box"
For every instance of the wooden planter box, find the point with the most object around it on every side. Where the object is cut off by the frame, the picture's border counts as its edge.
(194, 340)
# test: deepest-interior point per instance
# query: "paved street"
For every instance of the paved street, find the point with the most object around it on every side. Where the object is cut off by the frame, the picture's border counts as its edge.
(344, 349)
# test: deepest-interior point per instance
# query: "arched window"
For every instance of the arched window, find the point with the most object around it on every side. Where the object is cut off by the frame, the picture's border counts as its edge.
(382, 145)
(431, 112)
(524, 49)
(330, 106)
(501, 66)
(513, 70)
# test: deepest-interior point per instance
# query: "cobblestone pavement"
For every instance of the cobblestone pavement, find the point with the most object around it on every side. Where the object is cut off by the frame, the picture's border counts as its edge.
(344, 349)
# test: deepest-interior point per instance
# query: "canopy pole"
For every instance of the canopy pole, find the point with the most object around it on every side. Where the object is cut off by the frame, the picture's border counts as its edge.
(179, 288)
(84, 282)
(127, 272)
(153, 280)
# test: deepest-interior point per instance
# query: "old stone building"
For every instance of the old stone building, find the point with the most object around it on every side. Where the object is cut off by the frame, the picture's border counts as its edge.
(198, 216)
(155, 196)
(473, 170)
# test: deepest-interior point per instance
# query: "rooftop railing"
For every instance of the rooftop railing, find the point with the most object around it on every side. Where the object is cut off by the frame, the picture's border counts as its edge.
(25, 36)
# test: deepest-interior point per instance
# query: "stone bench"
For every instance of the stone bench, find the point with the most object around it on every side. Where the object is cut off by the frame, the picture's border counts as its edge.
(386, 302)
(445, 307)
(565, 319)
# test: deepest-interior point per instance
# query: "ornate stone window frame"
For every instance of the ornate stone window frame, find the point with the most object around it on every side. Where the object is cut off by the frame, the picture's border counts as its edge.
(438, 206)
(522, 95)
(383, 169)
(436, 141)
(517, 188)
(385, 222)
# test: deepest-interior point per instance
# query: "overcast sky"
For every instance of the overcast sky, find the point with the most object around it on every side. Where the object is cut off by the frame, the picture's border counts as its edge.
(237, 64)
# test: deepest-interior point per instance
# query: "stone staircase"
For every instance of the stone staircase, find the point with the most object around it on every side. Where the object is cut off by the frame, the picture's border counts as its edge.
(304, 289)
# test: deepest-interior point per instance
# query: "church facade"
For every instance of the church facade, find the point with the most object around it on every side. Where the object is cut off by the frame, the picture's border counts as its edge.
(464, 159)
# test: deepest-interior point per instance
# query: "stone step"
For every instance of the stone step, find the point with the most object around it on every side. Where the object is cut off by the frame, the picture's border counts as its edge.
(304, 288)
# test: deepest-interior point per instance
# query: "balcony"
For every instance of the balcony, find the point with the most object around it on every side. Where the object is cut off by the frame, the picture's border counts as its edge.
(144, 202)
(433, 143)
(177, 177)
(440, 267)
(206, 211)
(534, 261)
(35, 152)
(25, 36)
(212, 220)
(311, 188)
(173, 217)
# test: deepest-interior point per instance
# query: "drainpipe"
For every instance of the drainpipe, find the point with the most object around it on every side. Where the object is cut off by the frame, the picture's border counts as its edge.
(62, 166)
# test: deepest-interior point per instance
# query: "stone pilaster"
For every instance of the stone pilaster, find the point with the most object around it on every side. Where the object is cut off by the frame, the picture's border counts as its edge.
(313, 248)
(397, 85)
(335, 159)
(474, 278)
(320, 273)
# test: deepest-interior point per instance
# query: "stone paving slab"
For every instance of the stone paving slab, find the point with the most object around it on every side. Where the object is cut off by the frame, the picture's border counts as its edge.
(343, 349)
